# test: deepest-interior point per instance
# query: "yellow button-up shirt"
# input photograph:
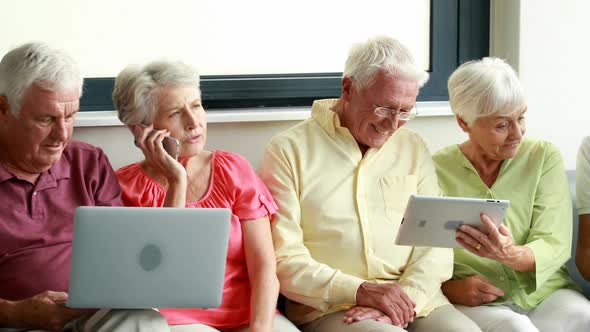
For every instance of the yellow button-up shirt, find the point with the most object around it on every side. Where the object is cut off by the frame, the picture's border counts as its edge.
(339, 213)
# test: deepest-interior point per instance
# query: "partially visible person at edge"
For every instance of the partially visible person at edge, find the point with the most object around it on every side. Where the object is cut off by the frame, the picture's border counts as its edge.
(164, 99)
(514, 278)
(44, 177)
(583, 206)
(342, 179)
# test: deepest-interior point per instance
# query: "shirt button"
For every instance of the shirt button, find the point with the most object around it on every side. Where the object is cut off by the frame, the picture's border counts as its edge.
(34, 193)
(502, 278)
(262, 197)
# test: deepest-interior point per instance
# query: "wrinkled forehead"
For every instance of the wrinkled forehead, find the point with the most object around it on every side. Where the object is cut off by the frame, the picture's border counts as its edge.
(393, 90)
(41, 101)
(507, 114)
(39, 91)
(512, 115)
(171, 95)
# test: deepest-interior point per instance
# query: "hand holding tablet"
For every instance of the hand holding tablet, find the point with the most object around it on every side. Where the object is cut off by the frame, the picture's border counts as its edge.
(432, 221)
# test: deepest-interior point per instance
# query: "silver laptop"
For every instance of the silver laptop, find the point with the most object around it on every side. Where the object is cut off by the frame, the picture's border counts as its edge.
(432, 221)
(128, 257)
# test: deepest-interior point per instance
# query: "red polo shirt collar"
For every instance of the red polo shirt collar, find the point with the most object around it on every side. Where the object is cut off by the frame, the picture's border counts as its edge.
(59, 170)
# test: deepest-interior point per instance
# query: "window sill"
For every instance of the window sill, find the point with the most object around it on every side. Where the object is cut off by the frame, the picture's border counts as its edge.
(109, 118)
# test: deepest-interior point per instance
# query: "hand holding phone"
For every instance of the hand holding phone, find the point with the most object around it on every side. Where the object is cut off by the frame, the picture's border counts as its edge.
(161, 158)
(170, 144)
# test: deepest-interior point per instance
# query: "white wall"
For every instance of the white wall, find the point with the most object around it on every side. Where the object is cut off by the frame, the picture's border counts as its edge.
(545, 40)
(247, 138)
(551, 51)
(218, 37)
(256, 36)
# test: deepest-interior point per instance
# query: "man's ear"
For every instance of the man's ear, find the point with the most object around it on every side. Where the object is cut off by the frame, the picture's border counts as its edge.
(463, 125)
(4, 107)
(347, 88)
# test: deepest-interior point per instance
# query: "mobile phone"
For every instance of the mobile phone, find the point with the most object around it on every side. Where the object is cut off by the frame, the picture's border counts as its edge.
(171, 146)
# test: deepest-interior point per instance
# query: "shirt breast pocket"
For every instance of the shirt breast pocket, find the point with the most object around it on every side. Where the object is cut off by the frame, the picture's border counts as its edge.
(396, 191)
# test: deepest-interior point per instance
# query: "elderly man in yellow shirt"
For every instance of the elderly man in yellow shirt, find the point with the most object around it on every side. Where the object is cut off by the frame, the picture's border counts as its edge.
(342, 179)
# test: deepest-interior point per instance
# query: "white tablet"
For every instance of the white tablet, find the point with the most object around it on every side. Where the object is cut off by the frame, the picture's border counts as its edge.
(432, 221)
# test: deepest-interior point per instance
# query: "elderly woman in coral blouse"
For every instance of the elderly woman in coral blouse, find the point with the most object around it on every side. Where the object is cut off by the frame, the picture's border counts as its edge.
(163, 99)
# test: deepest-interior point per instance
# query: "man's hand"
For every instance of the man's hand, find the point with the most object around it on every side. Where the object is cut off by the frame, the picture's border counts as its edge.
(471, 291)
(359, 313)
(46, 311)
(389, 299)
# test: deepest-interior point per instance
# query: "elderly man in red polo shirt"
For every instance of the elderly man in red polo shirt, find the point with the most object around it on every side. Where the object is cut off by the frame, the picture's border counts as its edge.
(44, 176)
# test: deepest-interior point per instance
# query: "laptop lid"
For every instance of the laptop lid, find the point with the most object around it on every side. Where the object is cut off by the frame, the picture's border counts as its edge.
(130, 257)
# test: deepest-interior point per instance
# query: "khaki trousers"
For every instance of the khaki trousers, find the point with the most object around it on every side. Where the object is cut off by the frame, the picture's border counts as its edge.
(281, 324)
(442, 319)
(107, 320)
(565, 310)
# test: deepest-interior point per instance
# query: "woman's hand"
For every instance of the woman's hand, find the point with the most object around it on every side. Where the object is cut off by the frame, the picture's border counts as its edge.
(471, 291)
(149, 140)
(261, 265)
(496, 245)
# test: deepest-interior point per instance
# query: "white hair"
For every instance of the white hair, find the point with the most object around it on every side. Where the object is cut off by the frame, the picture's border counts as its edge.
(485, 87)
(36, 63)
(381, 53)
(135, 91)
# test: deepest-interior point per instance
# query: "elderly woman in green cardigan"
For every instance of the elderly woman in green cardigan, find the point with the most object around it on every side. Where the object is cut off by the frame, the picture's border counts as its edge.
(511, 278)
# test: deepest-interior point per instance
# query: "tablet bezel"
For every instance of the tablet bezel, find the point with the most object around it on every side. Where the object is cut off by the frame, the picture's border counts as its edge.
(432, 221)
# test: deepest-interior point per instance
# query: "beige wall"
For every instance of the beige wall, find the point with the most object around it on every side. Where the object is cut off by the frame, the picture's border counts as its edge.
(218, 37)
(246, 138)
(548, 44)
(544, 40)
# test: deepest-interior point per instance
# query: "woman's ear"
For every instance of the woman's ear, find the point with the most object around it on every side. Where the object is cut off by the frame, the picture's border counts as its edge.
(134, 129)
(137, 129)
(464, 126)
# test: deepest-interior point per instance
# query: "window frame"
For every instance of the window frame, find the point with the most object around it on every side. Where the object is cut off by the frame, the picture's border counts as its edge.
(459, 31)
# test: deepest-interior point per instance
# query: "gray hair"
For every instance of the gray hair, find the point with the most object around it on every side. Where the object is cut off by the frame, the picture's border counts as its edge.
(485, 87)
(36, 63)
(382, 53)
(135, 91)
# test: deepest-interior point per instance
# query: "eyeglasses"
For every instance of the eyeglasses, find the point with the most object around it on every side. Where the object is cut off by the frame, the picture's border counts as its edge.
(403, 115)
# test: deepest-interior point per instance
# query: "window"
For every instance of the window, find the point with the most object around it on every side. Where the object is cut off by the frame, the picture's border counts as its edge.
(106, 35)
